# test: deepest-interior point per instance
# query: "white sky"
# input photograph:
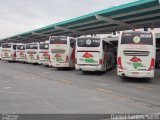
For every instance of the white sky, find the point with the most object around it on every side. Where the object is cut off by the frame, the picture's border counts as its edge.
(18, 16)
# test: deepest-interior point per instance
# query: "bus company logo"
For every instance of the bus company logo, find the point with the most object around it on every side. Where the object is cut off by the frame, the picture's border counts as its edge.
(88, 58)
(136, 39)
(88, 42)
(59, 58)
(136, 62)
(135, 59)
(46, 56)
(46, 46)
(21, 54)
(31, 56)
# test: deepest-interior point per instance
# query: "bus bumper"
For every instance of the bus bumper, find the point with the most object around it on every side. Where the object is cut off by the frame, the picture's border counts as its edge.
(32, 61)
(89, 68)
(43, 62)
(135, 74)
(7, 59)
(60, 65)
(21, 60)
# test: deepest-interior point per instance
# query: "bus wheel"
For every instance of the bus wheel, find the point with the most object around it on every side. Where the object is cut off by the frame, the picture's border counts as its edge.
(123, 79)
(106, 67)
(158, 65)
(112, 65)
(47, 65)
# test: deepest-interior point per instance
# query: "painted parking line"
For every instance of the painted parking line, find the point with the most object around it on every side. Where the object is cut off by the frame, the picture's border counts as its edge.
(144, 87)
(47, 72)
(66, 81)
(7, 88)
(18, 93)
(104, 90)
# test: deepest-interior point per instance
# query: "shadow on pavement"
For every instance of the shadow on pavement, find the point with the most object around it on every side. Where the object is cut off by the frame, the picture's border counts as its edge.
(137, 80)
(63, 69)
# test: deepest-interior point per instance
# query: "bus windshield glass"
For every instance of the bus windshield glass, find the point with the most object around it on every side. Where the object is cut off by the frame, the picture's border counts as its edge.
(137, 38)
(6, 45)
(31, 46)
(20, 47)
(58, 40)
(88, 42)
(44, 46)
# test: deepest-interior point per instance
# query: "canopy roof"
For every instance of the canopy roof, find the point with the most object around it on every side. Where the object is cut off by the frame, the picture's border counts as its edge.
(138, 14)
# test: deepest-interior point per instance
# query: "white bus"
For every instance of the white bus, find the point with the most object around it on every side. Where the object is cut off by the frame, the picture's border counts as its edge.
(20, 52)
(94, 54)
(43, 54)
(158, 57)
(0, 53)
(8, 51)
(32, 53)
(136, 54)
(62, 51)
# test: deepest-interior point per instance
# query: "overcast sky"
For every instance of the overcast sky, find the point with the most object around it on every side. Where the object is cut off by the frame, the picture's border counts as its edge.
(18, 16)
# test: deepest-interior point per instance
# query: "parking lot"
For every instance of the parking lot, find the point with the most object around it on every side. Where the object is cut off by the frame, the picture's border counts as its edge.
(27, 88)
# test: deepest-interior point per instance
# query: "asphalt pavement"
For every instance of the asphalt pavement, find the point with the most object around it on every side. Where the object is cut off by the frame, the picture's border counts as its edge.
(27, 88)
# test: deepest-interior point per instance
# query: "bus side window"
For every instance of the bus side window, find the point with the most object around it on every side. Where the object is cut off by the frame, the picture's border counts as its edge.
(14, 47)
(72, 43)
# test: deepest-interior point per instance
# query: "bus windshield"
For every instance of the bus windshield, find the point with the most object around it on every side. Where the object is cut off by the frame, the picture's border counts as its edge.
(20, 47)
(137, 38)
(44, 46)
(6, 45)
(31, 46)
(88, 42)
(58, 40)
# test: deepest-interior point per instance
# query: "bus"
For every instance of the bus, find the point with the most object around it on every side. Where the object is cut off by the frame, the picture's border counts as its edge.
(62, 51)
(158, 57)
(43, 54)
(136, 54)
(8, 52)
(32, 53)
(94, 54)
(0, 53)
(20, 52)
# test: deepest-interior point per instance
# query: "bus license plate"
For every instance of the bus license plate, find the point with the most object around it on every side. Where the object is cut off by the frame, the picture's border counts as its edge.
(135, 73)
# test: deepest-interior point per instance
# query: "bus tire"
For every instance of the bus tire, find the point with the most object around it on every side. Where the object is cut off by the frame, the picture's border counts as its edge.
(123, 78)
(112, 65)
(106, 67)
(158, 65)
(47, 65)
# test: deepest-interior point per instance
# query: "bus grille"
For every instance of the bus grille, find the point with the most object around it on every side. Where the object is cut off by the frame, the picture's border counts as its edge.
(136, 53)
